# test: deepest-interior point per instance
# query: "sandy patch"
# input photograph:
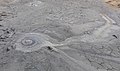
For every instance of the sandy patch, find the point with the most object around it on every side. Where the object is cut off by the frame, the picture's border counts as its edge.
(114, 3)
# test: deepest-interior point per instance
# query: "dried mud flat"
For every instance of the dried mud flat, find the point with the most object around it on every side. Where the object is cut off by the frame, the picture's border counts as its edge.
(59, 35)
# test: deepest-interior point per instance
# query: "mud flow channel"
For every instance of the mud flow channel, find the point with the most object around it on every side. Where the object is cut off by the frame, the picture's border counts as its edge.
(59, 35)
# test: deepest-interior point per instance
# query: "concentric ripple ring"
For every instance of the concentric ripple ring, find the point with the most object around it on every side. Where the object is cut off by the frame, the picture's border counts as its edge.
(29, 42)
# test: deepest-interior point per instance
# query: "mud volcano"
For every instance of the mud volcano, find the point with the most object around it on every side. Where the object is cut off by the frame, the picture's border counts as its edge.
(31, 42)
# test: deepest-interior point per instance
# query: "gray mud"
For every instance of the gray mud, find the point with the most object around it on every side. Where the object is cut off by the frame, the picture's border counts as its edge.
(88, 29)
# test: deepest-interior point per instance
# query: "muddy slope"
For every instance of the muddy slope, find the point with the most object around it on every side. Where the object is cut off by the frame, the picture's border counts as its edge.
(79, 35)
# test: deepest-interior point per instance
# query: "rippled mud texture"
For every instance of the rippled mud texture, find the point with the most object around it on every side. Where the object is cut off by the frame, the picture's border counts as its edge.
(59, 35)
(30, 42)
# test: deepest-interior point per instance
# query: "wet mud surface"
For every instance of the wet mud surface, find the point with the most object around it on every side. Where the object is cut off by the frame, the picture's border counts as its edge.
(74, 35)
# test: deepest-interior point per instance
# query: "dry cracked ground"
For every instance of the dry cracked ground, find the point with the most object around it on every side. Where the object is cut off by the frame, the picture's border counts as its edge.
(59, 35)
